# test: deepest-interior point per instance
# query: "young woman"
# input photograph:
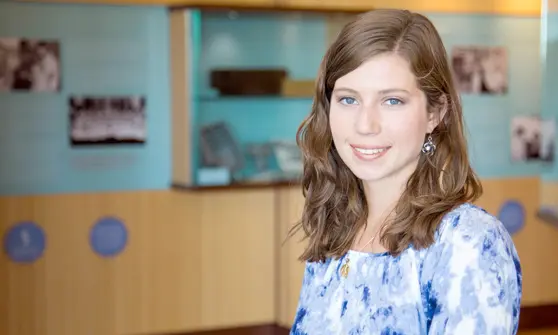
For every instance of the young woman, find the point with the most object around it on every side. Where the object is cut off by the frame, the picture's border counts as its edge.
(394, 244)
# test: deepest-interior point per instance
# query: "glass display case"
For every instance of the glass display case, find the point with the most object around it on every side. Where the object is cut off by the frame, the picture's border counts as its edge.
(252, 82)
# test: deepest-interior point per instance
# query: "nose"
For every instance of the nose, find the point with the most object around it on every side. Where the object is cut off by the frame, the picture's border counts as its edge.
(368, 121)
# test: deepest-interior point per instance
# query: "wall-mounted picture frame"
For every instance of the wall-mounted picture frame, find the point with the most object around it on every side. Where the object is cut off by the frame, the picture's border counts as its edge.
(107, 120)
(480, 69)
(532, 138)
(29, 65)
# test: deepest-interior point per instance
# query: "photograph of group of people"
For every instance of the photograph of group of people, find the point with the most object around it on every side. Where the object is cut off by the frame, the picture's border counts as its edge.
(107, 120)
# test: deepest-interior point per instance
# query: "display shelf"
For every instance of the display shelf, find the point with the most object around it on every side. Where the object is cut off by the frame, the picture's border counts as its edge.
(236, 186)
(251, 98)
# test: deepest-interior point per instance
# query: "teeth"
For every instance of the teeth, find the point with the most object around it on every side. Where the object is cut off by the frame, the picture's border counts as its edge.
(370, 151)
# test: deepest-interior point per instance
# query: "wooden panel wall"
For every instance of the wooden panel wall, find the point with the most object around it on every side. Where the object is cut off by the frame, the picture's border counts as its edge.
(194, 261)
(497, 7)
(500, 7)
(197, 260)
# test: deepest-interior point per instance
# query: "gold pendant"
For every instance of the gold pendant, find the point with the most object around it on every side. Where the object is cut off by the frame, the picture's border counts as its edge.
(345, 269)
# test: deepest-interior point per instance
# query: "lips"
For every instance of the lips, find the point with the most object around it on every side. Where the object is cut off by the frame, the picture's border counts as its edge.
(366, 151)
(369, 152)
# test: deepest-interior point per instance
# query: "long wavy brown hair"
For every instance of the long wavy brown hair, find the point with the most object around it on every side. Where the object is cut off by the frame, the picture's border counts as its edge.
(335, 208)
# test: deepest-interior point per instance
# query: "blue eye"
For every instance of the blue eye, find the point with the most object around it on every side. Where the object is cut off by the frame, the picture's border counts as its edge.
(394, 101)
(348, 101)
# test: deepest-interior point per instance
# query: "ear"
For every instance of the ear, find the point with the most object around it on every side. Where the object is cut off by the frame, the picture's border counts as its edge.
(437, 113)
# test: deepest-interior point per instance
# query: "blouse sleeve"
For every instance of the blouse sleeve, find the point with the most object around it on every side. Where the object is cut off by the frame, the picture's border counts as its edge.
(474, 279)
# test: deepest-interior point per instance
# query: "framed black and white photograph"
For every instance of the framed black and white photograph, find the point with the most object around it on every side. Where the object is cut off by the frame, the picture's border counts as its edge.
(480, 69)
(532, 138)
(107, 120)
(29, 65)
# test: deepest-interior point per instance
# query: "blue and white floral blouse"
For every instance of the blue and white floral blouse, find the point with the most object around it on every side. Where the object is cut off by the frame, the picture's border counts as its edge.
(468, 282)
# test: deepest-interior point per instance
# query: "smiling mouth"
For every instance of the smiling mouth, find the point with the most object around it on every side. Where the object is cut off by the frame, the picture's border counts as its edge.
(369, 153)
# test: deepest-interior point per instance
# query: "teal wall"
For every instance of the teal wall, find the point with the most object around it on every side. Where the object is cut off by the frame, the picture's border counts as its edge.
(487, 117)
(108, 50)
(104, 51)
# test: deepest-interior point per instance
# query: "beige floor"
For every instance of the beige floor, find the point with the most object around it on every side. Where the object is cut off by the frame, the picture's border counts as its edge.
(540, 332)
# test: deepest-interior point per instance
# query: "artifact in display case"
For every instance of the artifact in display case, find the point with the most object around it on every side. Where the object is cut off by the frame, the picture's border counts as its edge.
(219, 148)
(231, 82)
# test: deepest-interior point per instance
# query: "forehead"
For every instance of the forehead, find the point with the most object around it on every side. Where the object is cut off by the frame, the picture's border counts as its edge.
(385, 71)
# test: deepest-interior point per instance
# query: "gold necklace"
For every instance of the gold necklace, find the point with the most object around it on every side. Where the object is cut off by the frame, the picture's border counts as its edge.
(345, 267)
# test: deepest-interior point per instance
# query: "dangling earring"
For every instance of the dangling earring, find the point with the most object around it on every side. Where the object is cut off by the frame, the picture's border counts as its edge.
(428, 147)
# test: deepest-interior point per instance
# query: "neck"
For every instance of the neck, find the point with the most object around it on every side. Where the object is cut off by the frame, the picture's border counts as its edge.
(381, 198)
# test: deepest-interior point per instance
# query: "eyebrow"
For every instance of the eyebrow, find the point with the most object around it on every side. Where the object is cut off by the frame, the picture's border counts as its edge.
(345, 89)
(382, 92)
(394, 90)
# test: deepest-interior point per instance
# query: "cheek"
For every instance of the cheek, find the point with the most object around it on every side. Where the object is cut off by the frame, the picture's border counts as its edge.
(409, 131)
(339, 124)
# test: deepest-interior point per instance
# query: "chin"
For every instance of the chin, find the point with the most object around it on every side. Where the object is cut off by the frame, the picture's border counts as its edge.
(372, 170)
(366, 171)
(369, 176)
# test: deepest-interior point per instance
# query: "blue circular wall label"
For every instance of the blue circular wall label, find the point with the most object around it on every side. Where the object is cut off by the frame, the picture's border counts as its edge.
(25, 242)
(512, 215)
(108, 236)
